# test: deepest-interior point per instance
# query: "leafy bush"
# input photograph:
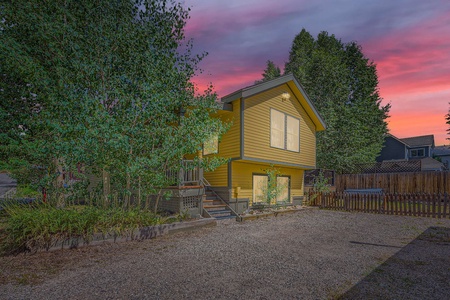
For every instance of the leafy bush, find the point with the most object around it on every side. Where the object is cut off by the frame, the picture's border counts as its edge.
(41, 226)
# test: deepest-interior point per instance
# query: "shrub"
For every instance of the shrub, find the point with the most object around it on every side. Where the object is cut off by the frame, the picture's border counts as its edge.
(41, 226)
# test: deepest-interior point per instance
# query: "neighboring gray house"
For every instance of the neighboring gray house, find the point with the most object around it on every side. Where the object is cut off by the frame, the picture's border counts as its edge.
(442, 154)
(408, 148)
(411, 148)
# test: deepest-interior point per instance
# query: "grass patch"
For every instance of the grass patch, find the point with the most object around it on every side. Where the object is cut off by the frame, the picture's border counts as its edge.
(29, 228)
(26, 191)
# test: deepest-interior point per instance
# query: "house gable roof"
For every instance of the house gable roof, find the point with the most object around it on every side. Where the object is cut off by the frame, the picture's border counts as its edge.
(417, 141)
(295, 87)
(397, 139)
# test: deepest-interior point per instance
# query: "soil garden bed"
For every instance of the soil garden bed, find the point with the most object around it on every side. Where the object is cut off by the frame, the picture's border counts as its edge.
(264, 212)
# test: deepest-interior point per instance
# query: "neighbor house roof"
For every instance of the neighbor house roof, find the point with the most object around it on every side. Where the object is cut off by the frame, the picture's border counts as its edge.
(397, 139)
(430, 164)
(417, 141)
(296, 89)
(441, 150)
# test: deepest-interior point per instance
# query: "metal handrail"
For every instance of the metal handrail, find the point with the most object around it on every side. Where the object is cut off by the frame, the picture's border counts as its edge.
(206, 184)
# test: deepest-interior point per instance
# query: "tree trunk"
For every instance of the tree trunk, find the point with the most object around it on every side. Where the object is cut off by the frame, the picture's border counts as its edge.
(157, 200)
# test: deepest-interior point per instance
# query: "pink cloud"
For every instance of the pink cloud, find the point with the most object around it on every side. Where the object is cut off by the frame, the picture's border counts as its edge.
(414, 76)
(411, 51)
(226, 84)
(413, 59)
(416, 124)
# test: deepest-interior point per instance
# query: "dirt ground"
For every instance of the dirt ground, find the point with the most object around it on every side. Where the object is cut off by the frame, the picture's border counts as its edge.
(312, 254)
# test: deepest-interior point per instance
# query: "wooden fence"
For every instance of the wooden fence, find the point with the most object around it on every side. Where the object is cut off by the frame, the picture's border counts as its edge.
(412, 182)
(419, 205)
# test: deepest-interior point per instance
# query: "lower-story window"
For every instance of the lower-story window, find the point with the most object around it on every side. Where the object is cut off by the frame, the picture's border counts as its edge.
(283, 189)
(261, 185)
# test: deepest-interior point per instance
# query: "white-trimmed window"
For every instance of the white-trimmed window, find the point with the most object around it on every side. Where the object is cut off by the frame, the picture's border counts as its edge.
(284, 131)
(418, 152)
(260, 186)
(283, 186)
(211, 146)
(277, 128)
(260, 183)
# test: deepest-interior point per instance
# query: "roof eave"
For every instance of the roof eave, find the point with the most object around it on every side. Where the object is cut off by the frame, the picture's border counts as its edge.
(285, 79)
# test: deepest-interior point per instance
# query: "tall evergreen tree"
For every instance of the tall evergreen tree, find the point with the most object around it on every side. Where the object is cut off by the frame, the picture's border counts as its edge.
(272, 71)
(343, 85)
(105, 83)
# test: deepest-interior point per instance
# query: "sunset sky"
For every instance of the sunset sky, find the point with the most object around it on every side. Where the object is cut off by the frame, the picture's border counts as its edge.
(409, 41)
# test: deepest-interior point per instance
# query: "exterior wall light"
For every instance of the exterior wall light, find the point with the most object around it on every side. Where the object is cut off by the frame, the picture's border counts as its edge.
(285, 96)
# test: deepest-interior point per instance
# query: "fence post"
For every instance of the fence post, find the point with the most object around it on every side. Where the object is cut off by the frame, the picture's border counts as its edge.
(181, 174)
(200, 174)
(445, 205)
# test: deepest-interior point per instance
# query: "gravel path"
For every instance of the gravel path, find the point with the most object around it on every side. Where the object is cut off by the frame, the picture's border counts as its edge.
(312, 254)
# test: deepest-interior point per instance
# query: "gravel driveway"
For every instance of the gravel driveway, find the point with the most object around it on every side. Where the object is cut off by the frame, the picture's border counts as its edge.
(312, 254)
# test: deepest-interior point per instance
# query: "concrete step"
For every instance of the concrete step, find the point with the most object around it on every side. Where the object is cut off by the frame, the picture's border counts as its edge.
(219, 213)
(212, 202)
(214, 207)
(225, 217)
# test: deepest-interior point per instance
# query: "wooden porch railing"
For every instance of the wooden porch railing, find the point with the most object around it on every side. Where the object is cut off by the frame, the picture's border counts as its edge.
(189, 173)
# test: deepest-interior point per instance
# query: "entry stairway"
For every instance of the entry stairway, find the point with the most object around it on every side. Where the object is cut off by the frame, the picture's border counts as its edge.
(215, 207)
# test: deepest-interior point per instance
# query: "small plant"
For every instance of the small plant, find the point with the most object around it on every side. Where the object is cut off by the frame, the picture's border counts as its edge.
(273, 190)
(321, 185)
(183, 216)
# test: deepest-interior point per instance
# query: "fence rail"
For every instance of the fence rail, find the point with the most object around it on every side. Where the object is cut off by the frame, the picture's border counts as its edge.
(387, 167)
(412, 182)
(419, 205)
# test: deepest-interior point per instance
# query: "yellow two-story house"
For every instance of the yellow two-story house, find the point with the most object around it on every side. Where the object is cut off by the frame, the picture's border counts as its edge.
(274, 124)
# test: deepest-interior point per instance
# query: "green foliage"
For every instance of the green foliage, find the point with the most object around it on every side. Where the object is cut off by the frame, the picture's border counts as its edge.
(321, 184)
(343, 85)
(272, 71)
(26, 191)
(273, 190)
(41, 226)
(106, 84)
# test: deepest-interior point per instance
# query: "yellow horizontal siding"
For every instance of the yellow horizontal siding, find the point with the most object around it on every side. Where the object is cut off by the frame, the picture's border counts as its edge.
(257, 128)
(229, 146)
(218, 177)
(242, 176)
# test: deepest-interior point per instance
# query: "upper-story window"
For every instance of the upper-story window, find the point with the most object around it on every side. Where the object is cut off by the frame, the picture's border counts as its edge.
(211, 146)
(284, 131)
(418, 152)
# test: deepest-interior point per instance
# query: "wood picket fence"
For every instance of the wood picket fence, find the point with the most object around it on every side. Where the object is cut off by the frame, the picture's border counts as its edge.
(417, 204)
(410, 182)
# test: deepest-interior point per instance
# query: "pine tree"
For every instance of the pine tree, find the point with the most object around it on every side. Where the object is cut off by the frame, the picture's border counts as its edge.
(343, 85)
(272, 71)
